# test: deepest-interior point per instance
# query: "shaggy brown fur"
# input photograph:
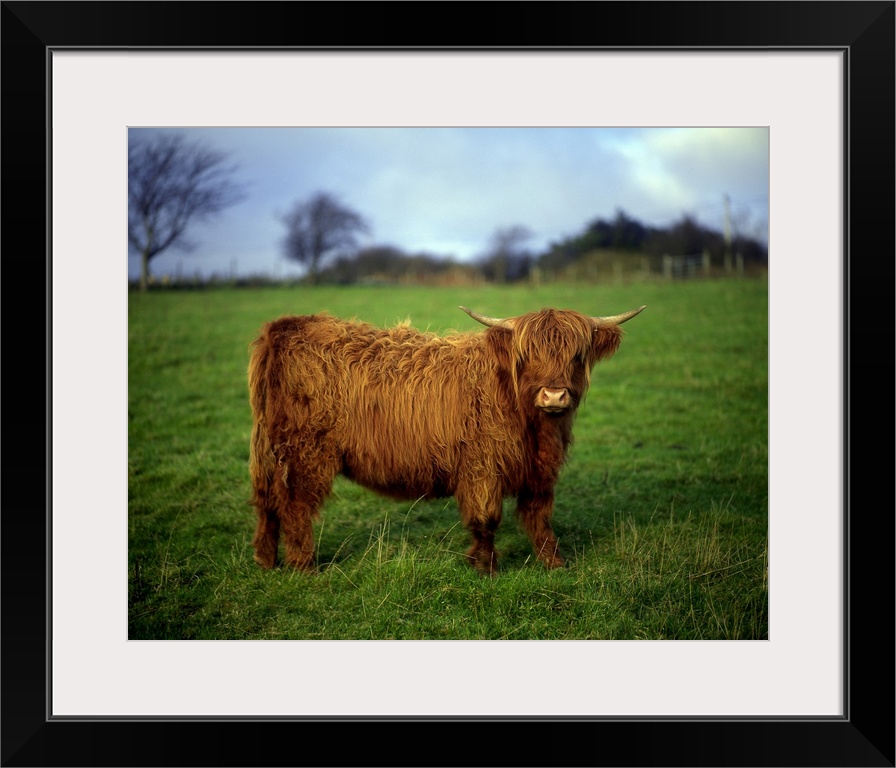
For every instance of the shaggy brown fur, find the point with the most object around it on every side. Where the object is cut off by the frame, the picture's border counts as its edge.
(411, 414)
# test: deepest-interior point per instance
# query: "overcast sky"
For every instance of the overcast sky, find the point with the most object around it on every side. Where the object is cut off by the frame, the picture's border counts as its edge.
(444, 191)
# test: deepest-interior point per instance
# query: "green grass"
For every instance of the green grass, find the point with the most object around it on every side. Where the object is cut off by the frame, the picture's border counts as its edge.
(661, 509)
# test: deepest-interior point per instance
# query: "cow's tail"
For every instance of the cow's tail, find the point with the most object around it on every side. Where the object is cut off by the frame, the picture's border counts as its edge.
(262, 462)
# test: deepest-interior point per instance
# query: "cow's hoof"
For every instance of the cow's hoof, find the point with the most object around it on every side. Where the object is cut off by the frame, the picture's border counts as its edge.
(487, 571)
(301, 564)
(484, 563)
(265, 561)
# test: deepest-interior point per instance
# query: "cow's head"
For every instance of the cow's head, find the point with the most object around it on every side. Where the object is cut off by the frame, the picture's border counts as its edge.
(552, 353)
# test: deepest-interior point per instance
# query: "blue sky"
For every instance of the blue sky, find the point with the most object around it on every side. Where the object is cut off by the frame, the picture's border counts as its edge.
(444, 191)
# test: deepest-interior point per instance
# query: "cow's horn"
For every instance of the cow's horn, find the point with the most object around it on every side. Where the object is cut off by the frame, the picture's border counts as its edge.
(603, 322)
(489, 321)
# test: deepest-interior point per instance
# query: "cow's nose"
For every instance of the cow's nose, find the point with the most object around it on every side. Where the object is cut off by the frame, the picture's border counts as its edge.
(553, 398)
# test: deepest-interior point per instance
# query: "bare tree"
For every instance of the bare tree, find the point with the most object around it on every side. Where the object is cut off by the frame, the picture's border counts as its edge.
(319, 227)
(173, 182)
(506, 258)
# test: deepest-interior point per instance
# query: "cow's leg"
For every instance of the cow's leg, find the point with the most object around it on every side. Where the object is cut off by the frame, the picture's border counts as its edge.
(262, 465)
(534, 511)
(298, 536)
(480, 509)
(267, 537)
(303, 490)
(482, 554)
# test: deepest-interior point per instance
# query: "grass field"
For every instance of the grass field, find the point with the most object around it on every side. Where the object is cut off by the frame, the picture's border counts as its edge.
(661, 510)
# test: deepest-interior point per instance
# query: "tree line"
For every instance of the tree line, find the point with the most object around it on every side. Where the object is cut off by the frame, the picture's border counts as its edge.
(173, 182)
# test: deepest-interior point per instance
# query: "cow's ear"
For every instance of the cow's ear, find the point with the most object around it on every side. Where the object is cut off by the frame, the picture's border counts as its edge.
(605, 341)
(499, 342)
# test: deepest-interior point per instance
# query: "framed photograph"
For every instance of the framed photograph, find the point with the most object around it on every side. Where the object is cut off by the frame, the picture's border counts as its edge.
(818, 691)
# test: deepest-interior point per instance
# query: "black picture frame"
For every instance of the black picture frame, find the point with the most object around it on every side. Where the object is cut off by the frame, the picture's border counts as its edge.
(864, 736)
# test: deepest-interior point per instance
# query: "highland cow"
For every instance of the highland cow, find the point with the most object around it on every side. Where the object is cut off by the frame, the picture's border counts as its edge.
(477, 416)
